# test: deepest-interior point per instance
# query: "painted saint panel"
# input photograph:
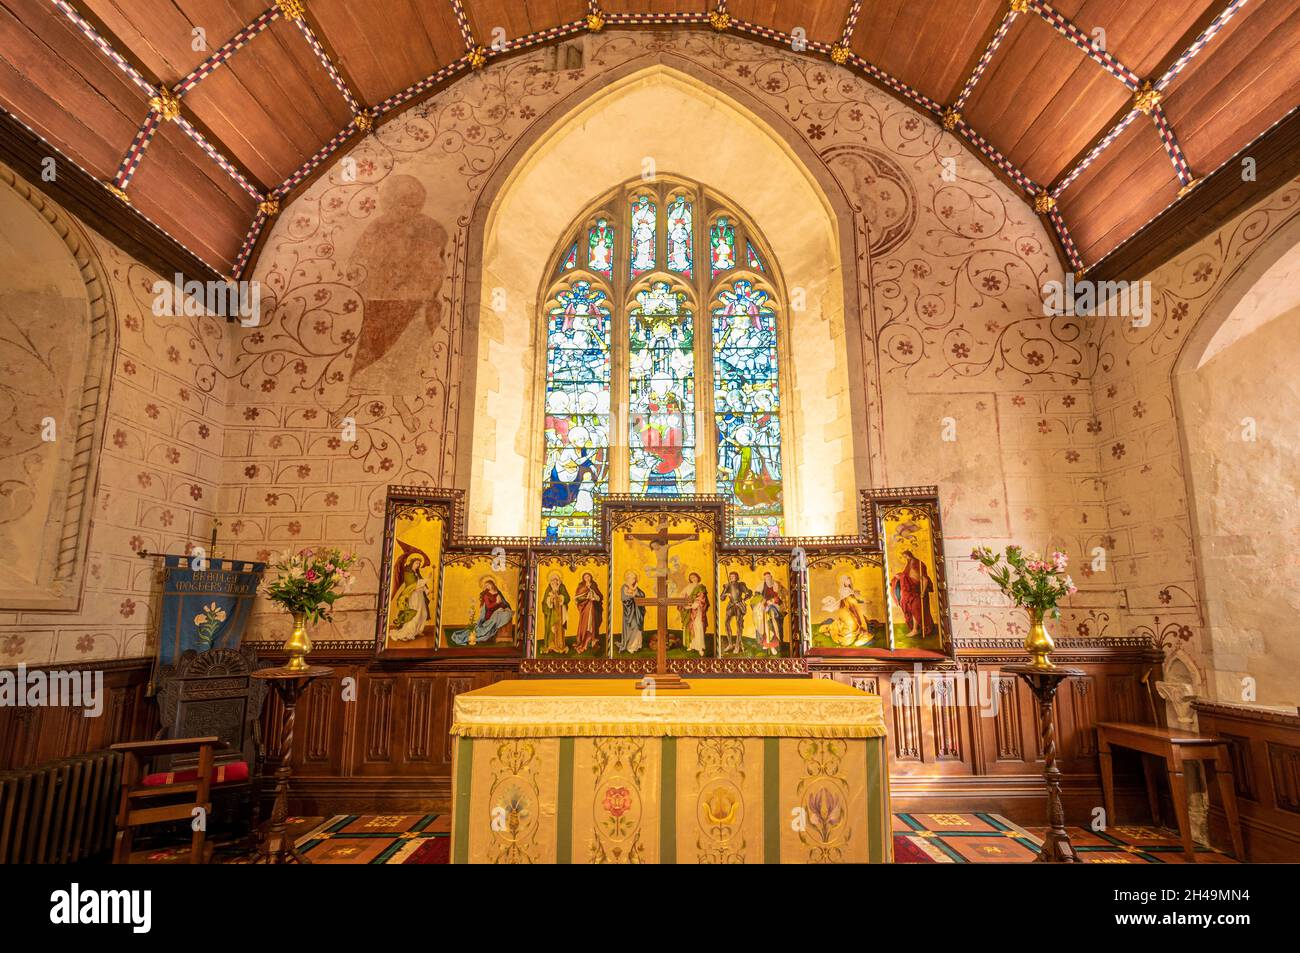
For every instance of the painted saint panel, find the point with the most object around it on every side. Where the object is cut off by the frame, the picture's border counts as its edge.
(846, 602)
(907, 534)
(754, 606)
(415, 558)
(678, 579)
(480, 603)
(571, 606)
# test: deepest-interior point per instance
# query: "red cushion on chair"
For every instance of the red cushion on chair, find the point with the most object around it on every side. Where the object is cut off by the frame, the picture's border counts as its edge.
(228, 773)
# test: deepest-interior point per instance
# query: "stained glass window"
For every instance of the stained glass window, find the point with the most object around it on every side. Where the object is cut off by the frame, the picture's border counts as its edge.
(638, 303)
(746, 406)
(680, 244)
(600, 247)
(661, 393)
(642, 235)
(722, 246)
(576, 471)
(570, 260)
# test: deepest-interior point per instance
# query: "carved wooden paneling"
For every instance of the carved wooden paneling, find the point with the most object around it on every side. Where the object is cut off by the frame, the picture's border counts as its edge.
(420, 719)
(455, 685)
(1284, 768)
(1264, 752)
(317, 709)
(866, 683)
(378, 719)
(1123, 702)
(1007, 727)
(945, 716)
(1243, 767)
(1080, 696)
(30, 736)
(906, 705)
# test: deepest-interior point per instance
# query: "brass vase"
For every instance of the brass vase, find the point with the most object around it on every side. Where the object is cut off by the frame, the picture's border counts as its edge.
(1038, 643)
(298, 645)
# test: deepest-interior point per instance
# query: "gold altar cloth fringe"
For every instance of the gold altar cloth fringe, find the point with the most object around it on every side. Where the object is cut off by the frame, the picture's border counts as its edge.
(782, 708)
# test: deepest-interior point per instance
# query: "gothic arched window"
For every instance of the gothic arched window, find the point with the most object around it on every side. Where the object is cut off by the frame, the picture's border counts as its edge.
(662, 371)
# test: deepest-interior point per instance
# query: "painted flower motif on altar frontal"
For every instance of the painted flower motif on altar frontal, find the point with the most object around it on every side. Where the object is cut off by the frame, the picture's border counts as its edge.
(825, 812)
(721, 806)
(617, 801)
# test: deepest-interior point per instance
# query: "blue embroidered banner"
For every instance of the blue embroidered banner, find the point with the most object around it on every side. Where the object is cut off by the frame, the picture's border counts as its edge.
(204, 608)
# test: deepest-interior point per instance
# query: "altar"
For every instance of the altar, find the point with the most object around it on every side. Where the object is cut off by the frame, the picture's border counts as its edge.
(728, 770)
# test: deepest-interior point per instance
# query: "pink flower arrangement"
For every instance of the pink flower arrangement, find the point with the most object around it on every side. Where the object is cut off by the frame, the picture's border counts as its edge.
(1027, 579)
(311, 581)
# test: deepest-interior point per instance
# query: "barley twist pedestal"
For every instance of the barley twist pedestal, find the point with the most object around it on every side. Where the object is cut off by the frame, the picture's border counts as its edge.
(289, 683)
(1043, 681)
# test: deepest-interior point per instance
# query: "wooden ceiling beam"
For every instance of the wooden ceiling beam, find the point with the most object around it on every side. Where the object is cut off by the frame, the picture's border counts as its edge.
(87, 199)
(1220, 197)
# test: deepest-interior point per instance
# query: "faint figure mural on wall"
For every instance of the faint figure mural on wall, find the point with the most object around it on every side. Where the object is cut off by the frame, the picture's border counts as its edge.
(400, 265)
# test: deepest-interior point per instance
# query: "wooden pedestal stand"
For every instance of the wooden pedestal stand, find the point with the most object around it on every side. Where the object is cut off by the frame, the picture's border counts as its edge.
(289, 684)
(1043, 682)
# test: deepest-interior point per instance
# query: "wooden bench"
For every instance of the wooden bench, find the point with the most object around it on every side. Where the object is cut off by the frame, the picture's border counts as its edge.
(1176, 748)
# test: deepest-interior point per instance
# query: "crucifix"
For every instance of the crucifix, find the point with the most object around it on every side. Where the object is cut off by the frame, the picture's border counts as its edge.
(659, 542)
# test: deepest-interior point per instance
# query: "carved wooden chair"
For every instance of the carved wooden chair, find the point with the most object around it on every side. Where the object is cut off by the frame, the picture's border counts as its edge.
(209, 748)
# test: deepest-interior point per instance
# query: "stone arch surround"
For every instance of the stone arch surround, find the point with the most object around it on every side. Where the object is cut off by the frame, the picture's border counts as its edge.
(55, 485)
(803, 214)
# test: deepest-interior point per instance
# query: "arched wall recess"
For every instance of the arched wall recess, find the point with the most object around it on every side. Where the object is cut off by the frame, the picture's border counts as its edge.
(658, 117)
(55, 317)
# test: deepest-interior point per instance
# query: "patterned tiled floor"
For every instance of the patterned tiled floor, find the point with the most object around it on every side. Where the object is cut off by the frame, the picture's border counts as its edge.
(992, 839)
(918, 839)
(379, 839)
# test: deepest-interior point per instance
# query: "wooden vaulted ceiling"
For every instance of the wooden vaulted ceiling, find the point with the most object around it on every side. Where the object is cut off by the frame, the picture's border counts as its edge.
(190, 148)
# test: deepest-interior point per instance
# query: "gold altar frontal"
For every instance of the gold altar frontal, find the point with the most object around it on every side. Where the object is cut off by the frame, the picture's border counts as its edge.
(727, 771)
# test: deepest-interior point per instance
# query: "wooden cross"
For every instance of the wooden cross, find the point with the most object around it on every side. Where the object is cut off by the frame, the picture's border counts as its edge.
(659, 541)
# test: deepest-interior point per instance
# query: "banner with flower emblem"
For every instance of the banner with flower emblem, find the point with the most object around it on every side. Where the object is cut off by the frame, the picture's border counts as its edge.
(205, 604)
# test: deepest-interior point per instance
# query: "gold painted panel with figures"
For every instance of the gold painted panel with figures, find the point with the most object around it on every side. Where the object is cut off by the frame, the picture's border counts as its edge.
(846, 603)
(479, 609)
(414, 562)
(570, 617)
(686, 565)
(754, 603)
(915, 616)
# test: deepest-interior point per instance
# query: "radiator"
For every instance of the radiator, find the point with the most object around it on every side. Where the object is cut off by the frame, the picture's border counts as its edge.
(60, 812)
